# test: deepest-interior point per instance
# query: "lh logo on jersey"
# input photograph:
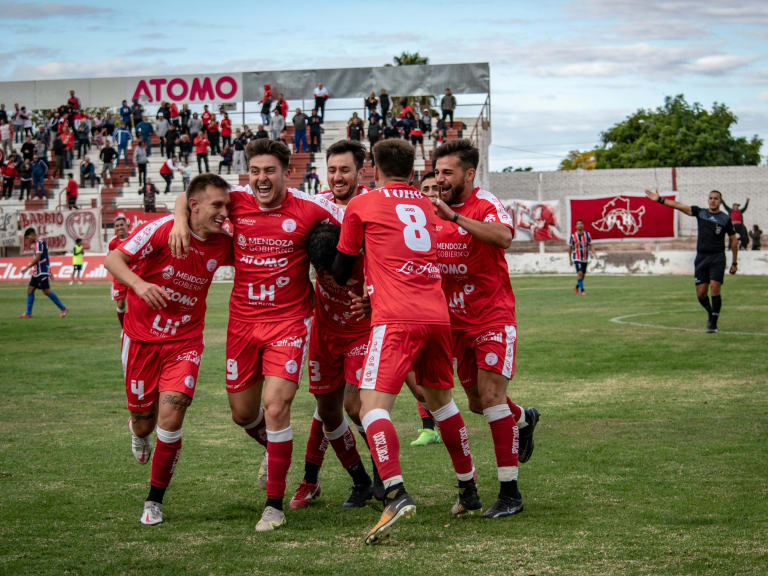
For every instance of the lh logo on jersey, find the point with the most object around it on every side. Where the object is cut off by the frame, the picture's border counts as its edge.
(211, 265)
(291, 366)
(617, 214)
(189, 382)
(289, 225)
(168, 272)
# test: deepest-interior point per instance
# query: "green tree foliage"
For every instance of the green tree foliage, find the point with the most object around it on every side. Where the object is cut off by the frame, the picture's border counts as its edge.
(410, 58)
(518, 169)
(579, 160)
(677, 134)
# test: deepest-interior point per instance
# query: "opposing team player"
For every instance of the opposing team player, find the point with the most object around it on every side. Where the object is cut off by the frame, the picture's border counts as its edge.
(270, 310)
(338, 342)
(119, 290)
(163, 330)
(40, 278)
(471, 239)
(579, 248)
(410, 323)
(709, 266)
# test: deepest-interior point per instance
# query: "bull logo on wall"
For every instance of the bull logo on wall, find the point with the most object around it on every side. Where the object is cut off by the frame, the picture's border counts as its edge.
(617, 213)
(81, 225)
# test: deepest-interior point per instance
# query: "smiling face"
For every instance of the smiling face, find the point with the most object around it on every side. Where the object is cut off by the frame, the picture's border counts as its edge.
(452, 178)
(121, 228)
(208, 210)
(430, 188)
(266, 177)
(342, 177)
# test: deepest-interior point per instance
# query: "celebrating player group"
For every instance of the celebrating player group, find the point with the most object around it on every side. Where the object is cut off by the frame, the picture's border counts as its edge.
(407, 284)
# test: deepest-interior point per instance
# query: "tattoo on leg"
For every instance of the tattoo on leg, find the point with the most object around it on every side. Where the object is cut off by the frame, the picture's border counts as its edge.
(177, 402)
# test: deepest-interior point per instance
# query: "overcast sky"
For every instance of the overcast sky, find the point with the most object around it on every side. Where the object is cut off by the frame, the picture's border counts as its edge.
(561, 71)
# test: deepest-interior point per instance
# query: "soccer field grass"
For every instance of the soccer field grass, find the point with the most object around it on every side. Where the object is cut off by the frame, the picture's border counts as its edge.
(651, 454)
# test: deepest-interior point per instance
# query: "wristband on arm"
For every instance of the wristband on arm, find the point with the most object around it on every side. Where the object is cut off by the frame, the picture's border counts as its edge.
(661, 200)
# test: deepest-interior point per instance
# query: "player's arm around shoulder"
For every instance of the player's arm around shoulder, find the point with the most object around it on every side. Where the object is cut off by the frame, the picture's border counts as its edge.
(656, 197)
(178, 239)
(494, 233)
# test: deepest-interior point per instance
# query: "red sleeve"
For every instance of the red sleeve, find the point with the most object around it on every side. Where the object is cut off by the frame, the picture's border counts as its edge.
(493, 210)
(323, 209)
(148, 239)
(351, 240)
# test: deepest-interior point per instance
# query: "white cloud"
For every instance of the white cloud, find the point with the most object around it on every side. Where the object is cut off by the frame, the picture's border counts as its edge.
(718, 64)
(30, 11)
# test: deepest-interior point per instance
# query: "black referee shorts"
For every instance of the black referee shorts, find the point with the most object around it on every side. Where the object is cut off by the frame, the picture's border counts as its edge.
(709, 267)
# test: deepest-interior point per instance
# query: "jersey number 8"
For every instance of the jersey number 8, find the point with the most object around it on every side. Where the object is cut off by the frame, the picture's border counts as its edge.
(415, 233)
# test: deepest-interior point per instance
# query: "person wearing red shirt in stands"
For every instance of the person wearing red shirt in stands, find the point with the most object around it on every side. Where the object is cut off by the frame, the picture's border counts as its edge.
(226, 130)
(174, 114)
(201, 151)
(71, 192)
(205, 117)
(270, 307)
(410, 324)
(9, 176)
(213, 135)
(69, 145)
(163, 331)
(119, 290)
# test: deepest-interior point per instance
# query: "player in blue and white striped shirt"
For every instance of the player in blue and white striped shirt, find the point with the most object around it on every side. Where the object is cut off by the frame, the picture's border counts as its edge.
(40, 277)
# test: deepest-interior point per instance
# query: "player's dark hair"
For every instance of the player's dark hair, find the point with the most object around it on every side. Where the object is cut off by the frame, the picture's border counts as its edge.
(200, 182)
(579, 220)
(267, 147)
(78, 240)
(321, 245)
(29, 231)
(394, 157)
(120, 217)
(343, 146)
(468, 155)
(427, 176)
(718, 193)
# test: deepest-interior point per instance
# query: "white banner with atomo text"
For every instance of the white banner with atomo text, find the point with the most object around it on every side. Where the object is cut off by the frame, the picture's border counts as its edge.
(60, 229)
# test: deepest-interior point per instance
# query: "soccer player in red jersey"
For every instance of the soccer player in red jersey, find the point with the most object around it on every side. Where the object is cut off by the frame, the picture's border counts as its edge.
(119, 290)
(410, 323)
(471, 239)
(163, 331)
(270, 310)
(337, 343)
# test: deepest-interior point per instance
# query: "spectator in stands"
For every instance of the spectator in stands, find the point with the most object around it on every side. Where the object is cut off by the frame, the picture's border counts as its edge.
(171, 141)
(83, 136)
(126, 115)
(248, 134)
(71, 192)
(737, 219)
(238, 155)
(266, 104)
(185, 147)
(355, 128)
(425, 123)
(9, 176)
(311, 180)
(201, 150)
(278, 123)
(448, 105)
(58, 155)
(186, 173)
(194, 125)
(371, 103)
(87, 172)
(321, 95)
(42, 135)
(213, 135)
(374, 135)
(185, 114)
(205, 117)
(69, 145)
(439, 133)
(390, 131)
(315, 131)
(144, 132)
(25, 179)
(123, 139)
(417, 135)
(39, 170)
(226, 129)
(173, 112)
(282, 105)
(149, 192)
(260, 133)
(161, 129)
(170, 166)
(389, 120)
(73, 102)
(300, 130)
(107, 157)
(18, 124)
(285, 137)
(97, 124)
(28, 148)
(140, 159)
(137, 112)
(3, 113)
(755, 234)
(226, 159)
(384, 102)
(109, 123)
(6, 136)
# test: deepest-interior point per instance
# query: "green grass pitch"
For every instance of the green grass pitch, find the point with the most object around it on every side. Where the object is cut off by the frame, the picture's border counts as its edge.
(651, 454)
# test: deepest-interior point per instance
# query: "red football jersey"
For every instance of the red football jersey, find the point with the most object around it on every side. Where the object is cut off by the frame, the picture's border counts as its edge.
(397, 224)
(475, 274)
(186, 280)
(114, 243)
(271, 262)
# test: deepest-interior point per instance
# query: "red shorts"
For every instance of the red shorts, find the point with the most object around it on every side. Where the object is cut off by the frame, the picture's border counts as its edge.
(492, 348)
(119, 291)
(151, 368)
(256, 349)
(396, 349)
(335, 359)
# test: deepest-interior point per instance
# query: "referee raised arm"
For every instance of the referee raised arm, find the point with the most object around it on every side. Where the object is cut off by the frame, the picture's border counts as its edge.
(709, 266)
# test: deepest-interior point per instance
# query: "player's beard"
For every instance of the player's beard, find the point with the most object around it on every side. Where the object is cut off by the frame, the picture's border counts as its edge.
(451, 195)
(347, 194)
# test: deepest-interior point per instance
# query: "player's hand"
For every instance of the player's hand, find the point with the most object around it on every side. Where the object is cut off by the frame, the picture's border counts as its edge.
(361, 306)
(178, 240)
(152, 294)
(442, 210)
(734, 268)
(653, 195)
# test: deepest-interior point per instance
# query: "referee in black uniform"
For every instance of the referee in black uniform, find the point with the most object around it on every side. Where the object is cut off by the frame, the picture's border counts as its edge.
(710, 250)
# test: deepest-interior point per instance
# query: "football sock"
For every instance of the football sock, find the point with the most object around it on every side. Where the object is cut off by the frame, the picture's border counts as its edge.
(30, 302)
(456, 439)
(426, 418)
(386, 446)
(359, 474)
(257, 429)
(717, 303)
(55, 299)
(343, 442)
(505, 440)
(509, 489)
(156, 494)
(279, 451)
(517, 413)
(120, 315)
(317, 444)
(704, 301)
(167, 452)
